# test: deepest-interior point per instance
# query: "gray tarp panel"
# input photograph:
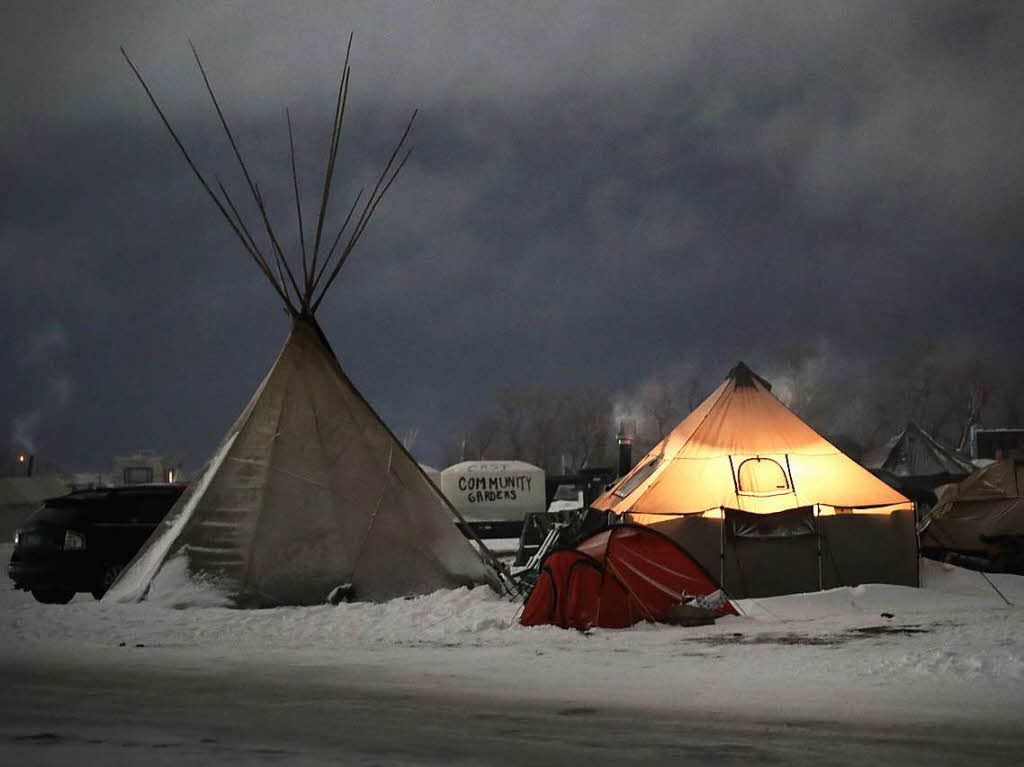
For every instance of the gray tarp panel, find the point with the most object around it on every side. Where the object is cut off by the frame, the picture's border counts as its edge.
(309, 491)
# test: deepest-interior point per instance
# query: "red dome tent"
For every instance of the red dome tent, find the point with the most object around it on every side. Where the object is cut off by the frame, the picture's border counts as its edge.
(615, 579)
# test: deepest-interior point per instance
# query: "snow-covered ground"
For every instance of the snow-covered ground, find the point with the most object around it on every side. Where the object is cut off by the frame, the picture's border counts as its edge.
(951, 655)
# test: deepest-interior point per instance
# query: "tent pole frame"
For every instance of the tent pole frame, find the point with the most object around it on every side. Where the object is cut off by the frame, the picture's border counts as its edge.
(721, 551)
(817, 530)
(917, 544)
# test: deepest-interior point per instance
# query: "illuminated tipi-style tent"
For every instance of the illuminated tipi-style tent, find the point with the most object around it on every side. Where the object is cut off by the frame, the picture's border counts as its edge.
(309, 490)
(764, 501)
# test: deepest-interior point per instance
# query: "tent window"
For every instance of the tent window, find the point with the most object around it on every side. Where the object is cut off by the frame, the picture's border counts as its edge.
(761, 475)
(637, 478)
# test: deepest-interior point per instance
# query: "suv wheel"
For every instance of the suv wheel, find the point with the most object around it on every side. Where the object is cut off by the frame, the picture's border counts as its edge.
(53, 596)
(107, 578)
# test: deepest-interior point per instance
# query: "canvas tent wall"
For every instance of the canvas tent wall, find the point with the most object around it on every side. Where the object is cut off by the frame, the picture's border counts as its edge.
(766, 503)
(986, 506)
(309, 490)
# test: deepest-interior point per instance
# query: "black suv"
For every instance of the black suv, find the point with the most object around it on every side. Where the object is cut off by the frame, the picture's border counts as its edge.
(82, 541)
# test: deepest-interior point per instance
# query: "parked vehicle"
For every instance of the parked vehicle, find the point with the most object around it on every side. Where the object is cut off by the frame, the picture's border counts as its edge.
(80, 542)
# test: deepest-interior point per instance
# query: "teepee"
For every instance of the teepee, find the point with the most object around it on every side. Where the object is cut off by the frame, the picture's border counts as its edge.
(309, 490)
(764, 501)
(916, 463)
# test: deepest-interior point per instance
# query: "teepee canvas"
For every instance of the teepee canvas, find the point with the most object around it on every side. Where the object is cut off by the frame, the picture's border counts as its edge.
(309, 490)
(764, 501)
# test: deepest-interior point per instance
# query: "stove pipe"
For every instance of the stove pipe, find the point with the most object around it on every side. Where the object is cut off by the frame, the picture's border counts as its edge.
(625, 437)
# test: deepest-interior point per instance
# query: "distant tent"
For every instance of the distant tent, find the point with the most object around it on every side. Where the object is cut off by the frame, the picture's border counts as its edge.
(764, 501)
(617, 578)
(985, 507)
(309, 490)
(916, 463)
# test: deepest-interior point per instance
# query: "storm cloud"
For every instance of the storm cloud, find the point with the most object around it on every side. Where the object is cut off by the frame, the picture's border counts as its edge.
(597, 193)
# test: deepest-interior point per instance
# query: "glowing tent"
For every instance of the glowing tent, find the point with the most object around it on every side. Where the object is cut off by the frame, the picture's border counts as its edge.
(766, 502)
(309, 490)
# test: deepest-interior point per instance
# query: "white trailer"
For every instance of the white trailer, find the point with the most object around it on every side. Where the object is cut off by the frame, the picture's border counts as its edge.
(494, 496)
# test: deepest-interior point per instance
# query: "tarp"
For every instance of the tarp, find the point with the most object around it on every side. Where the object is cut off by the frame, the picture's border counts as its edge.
(988, 504)
(617, 578)
(308, 491)
(743, 449)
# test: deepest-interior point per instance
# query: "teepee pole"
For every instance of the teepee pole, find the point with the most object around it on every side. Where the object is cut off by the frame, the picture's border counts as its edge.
(298, 206)
(253, 252)
(332, 156)
(370, 206)
(278, 253)
(327, 261)
(241, 224)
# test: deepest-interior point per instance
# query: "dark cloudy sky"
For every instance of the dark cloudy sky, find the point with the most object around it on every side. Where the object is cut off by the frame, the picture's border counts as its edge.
(597, 193)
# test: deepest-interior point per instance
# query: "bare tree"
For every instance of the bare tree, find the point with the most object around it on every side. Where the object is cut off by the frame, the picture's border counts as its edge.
(545, 410)
(483, 435)
(513, 405)
(663, 405)
(587, 419)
